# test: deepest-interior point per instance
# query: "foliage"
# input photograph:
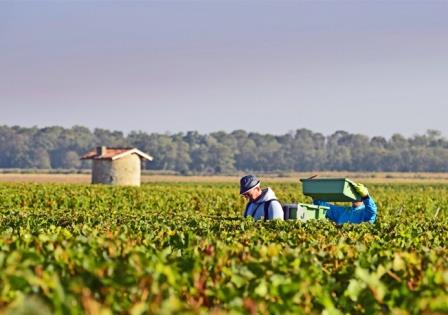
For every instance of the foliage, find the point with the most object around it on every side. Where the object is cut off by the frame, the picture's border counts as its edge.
(224, 153)
(183, 248)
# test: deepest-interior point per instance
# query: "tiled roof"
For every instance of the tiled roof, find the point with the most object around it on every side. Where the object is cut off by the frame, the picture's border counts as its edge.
(114, 153)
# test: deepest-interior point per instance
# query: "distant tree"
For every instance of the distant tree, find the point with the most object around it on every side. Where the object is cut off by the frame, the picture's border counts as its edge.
(397, 141)
(378, 142)
(222, 152)
(40, 158)
(246, 157)
(339, 154)
(70, 160)
(220, 157)
(104, 137)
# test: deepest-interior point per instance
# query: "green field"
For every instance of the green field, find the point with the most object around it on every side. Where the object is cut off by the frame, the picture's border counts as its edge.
(181, 248)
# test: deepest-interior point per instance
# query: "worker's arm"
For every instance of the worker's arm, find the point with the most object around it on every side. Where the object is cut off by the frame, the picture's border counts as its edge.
(370, 209)
(333, 212)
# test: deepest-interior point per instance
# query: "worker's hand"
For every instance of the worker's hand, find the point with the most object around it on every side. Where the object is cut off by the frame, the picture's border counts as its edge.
(360, 189)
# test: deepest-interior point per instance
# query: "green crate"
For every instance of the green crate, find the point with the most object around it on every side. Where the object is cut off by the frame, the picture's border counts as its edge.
(329, 189)
(304, 212)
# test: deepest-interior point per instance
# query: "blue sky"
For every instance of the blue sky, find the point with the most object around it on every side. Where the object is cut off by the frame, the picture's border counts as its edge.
(371, 67)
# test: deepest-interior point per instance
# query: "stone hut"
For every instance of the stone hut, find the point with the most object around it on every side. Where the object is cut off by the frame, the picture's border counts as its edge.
(116, 166)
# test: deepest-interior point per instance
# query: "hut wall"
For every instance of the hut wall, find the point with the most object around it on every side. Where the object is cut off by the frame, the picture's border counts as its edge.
(124, 171)
(101, 172)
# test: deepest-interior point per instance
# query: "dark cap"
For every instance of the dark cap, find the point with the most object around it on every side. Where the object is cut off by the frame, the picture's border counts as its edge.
(247, 183)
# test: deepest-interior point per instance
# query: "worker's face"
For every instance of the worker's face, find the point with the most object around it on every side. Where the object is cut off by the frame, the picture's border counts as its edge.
(252, 194)
(356, 204)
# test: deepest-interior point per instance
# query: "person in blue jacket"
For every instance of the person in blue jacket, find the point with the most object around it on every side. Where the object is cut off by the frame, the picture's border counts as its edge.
(361, 211)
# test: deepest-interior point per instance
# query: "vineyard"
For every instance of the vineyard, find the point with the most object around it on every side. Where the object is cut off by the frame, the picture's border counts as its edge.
(168, 248)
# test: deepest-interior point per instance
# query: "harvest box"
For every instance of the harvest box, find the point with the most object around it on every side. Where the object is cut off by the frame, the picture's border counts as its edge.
(329, 189)
(304, 212)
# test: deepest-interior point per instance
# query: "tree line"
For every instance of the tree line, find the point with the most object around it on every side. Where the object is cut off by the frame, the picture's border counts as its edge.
(225, 153)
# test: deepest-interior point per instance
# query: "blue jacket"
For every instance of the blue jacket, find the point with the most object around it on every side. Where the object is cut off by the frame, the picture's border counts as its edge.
(340, 215)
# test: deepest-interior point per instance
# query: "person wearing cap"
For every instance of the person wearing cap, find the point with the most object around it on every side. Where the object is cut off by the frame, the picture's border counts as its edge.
(363, 210)
(262, 202)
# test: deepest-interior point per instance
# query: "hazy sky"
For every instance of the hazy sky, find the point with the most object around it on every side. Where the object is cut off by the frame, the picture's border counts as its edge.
(371, 67)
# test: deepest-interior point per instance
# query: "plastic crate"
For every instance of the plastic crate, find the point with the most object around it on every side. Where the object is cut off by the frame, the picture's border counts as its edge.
(329, 189)
(304, 212)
